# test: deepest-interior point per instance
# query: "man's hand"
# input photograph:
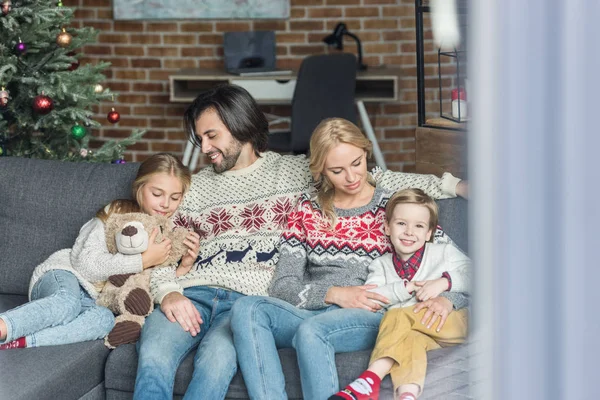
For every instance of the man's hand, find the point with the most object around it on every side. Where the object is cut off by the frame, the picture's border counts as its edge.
(438, 307)
(462, 189)
(429, 289)
(355, 297)
(192, 241)
(178, 308)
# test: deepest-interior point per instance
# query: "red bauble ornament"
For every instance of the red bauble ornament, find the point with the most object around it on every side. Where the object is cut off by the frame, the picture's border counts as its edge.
(42, 104)
(113, 117)
(75, 64)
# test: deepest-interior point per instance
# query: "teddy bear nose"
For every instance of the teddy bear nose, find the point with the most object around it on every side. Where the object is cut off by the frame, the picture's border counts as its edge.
(129, 231)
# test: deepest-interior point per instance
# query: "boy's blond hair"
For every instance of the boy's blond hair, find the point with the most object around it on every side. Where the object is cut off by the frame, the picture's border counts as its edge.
(413, 196)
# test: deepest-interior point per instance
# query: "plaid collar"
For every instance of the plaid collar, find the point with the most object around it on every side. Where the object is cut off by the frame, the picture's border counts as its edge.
(406, 270)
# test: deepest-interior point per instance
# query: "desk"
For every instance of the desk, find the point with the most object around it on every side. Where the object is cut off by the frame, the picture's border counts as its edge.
(377, 85)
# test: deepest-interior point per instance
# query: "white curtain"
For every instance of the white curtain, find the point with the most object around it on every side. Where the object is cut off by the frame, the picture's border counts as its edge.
(534, 146)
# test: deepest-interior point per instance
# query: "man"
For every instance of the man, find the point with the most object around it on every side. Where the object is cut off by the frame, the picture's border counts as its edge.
(239, 207)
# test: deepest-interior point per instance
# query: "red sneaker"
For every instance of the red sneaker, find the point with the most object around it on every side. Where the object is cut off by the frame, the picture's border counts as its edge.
(15, 344)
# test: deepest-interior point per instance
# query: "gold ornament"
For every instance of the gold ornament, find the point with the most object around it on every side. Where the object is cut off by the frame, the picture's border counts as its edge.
(6, 6)
(64, 38)
(98, 88)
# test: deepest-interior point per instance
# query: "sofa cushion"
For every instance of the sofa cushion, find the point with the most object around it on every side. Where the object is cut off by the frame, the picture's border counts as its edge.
(447, 374)
(52, 372)
(453, 217)
(44, 203)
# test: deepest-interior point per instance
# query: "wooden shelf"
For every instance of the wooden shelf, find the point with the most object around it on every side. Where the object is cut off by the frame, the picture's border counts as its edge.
(440, 150)
(374, 85)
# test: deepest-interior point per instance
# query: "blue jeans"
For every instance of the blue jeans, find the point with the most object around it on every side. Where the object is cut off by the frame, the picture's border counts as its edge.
(164, 344)
(60, 312)
(261, 325)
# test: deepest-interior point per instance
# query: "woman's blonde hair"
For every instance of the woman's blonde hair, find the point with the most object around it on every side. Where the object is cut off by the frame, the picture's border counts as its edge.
(155, 164)
(414, 196)
(327, 135)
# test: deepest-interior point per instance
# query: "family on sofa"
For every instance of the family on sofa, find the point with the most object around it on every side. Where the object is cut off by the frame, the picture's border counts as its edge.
(278, 254)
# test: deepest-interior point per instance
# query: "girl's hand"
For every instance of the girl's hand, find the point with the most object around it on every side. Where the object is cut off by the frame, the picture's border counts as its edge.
(355, 297)
(156, 253)
(429, 289)
(192, 241)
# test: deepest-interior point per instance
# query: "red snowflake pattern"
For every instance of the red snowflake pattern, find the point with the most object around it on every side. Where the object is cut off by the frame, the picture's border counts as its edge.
(219, 219)
(253, 217)
(281, 210)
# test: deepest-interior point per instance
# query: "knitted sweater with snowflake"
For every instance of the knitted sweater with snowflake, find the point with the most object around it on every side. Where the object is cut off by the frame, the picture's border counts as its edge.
(314, 258)
(239, 216)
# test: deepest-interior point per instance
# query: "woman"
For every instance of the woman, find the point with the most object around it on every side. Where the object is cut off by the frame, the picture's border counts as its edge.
(319, 304)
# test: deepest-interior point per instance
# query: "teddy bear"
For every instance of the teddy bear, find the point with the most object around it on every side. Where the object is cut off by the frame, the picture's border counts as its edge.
(128, 295)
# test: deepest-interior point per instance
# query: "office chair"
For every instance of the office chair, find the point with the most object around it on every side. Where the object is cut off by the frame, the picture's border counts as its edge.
(325, 88)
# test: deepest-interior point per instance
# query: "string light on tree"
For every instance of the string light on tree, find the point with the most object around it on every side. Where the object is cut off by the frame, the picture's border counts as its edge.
(64, 38)
(6, 6)
(78, 132)
(113, 116)
(42, 104)
(3, 97)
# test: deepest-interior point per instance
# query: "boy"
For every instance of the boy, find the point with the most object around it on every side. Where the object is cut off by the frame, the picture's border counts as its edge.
(417, 270)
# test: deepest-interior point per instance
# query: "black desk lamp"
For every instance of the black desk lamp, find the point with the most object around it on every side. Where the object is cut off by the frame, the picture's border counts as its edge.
(336, 39)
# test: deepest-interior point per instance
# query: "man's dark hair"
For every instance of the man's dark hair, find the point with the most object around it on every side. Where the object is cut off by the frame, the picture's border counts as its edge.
(238, 111)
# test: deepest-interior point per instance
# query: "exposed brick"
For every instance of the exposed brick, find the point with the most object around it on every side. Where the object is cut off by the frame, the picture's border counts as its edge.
(148, 87)
(128, 26)
(210, 39)
(99, 50)
(342, 2)
(306, 25)
(291, 38)
(162, 51)
(145, 39)
(113, 38)
(166, 146)
(273, 25)
(154, 111)
(129, 51)
(162, 27)
(146, 63)
(119, 86)
(197, 52)
(399, 11)
(380, 48)
(381, 24)
(104, 13)
(117, 62)
(187, 63)
(232, 26)
(84, 13)
(158, 99)
(354, 12)
(195, 27)
(179, 39)
(97, 3)
(327, 12)
(133, 98)
(352, 25)
(306, 2)
(130, 74)
(297, 12)
(99, 25)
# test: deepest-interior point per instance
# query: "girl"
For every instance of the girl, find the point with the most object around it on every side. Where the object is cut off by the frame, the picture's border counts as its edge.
(62, 290)
(320, 304)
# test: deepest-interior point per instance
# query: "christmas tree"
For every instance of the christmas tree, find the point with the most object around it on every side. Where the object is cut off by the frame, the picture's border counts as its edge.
(46, 97)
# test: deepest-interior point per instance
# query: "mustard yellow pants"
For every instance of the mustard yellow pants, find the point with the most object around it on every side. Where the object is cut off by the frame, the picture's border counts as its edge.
(403, 338)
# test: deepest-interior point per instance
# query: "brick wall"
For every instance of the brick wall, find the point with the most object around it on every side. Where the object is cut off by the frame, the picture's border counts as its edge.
(144, 53)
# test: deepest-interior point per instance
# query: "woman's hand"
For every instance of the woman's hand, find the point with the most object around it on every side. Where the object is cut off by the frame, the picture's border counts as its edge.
(355, 297)
(192, 241)
(429, 289)
(156, 253)
(178, 308)
(438, 307)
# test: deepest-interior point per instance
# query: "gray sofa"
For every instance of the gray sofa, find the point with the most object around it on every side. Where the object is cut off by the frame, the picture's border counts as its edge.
(42, 206)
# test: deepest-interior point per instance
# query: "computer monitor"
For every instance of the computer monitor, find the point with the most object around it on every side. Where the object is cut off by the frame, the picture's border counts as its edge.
(249, 52)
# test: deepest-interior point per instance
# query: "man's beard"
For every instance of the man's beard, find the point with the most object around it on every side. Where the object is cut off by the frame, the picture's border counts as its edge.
(229, 158)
